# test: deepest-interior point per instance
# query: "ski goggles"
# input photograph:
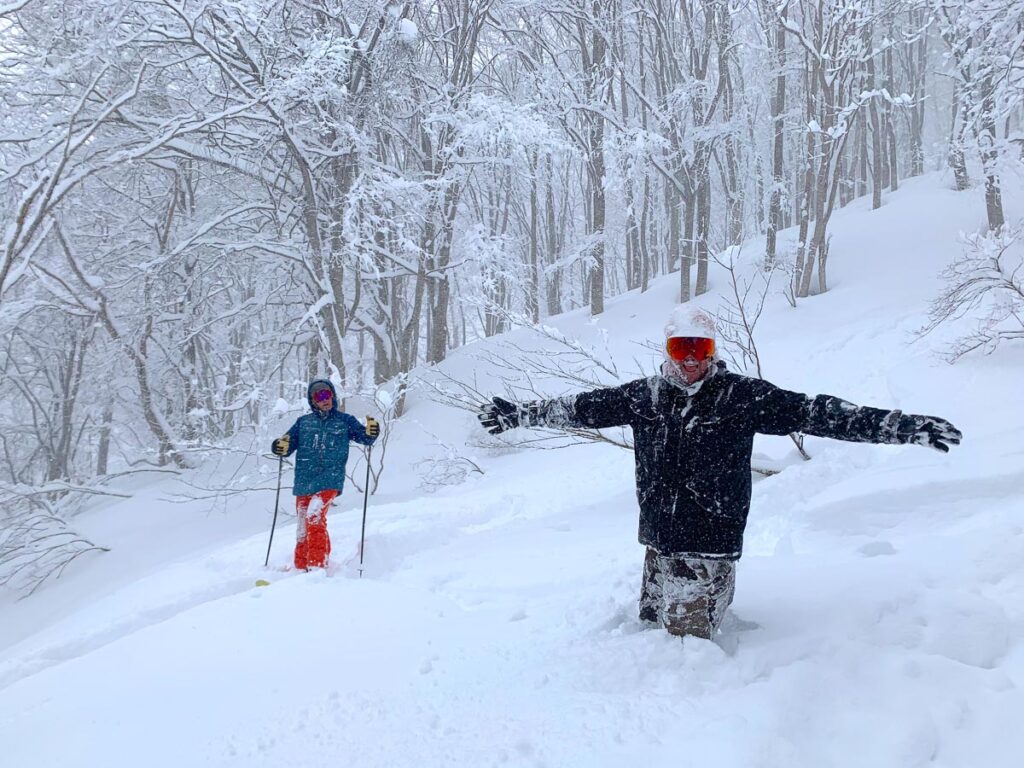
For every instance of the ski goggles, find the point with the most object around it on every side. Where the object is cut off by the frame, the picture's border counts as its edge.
(322, 395)
(681, 347)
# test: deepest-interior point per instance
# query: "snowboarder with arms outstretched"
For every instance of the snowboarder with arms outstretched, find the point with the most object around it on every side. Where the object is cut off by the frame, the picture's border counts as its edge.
(320, 439)
(693, 430)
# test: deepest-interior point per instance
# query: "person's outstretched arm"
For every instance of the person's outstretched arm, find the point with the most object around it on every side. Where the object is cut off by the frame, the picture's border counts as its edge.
(365, 435)
(779, 412)
(596, 409)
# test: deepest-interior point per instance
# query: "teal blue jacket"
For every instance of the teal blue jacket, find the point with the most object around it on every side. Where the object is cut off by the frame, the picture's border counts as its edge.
(321, 442)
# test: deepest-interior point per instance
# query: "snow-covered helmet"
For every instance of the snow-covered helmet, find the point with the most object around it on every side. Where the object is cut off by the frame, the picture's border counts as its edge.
(690, 331)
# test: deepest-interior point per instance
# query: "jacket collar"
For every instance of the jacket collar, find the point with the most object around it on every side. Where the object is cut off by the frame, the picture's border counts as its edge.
(689, 390)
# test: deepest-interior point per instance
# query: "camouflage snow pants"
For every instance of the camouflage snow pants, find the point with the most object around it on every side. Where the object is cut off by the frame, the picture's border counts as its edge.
(686, 595)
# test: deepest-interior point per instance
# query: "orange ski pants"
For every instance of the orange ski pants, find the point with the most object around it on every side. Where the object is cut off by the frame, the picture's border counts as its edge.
(312, 544)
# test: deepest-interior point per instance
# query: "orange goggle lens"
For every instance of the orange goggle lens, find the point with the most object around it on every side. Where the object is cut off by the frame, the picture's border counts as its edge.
(681, 347)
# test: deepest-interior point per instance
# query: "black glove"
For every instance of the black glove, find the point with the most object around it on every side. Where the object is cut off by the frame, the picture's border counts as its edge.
(929, 431)
(372, 427)
(281, 445)
(499, 415)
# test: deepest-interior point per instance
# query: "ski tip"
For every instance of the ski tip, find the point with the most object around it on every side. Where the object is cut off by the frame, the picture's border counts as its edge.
(262, 583)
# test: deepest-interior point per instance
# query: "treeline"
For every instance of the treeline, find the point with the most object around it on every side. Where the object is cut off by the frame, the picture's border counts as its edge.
(206, 202)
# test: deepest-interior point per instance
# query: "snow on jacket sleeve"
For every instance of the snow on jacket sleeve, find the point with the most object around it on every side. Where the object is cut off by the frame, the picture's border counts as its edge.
(779, 412)
(596, 409)
(357, 431)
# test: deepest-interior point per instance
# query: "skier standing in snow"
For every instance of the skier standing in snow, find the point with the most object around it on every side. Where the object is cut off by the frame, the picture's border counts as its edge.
(321, 439)
(693, 429)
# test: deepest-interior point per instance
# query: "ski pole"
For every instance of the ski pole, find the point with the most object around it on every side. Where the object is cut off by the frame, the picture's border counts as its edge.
(366, 498)
(277, 500)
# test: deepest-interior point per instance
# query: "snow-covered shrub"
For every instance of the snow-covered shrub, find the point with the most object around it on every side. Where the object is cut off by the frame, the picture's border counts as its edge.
(984, 293)
(447, 468)
(36, 542)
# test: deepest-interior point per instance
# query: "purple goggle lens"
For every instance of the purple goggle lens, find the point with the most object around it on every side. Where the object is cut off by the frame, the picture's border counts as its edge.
(322, 395)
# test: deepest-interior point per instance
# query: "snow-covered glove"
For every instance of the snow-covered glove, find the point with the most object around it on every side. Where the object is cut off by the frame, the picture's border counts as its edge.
(499, 415)
(281, 445)
(372, 427)
(929, 431)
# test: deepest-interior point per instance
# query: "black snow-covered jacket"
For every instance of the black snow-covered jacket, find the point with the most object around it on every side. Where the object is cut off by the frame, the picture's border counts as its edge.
(693, 452)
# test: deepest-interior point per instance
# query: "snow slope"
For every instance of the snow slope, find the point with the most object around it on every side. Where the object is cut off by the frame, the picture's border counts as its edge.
(495, 623)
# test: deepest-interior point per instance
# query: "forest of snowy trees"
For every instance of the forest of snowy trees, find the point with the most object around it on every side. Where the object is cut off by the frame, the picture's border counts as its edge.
(203, 203)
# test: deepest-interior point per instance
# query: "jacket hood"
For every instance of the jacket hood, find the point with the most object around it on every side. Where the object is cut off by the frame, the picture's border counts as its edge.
(309, 394)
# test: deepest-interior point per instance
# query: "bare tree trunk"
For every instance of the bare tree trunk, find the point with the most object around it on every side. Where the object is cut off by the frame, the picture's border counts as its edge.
(633, 247)
(103, 448)
(596, 76)
(59, 438)
(890, 125)
(804, 254)
(845, 185)
(862, 171)
(734, 195)
(673, 202)
(993, 193)
(409, 349)
(726, 89)
(632, 234)
(646, 266)
(957, 158)
(553, 240)
(686, 258)
(703, 222)
(437, 334)
(533, 289)
(817, 239)
(597, 228)
(918, 59)
(778, 107)
(877, 158)
(385, 353)
(645, 256)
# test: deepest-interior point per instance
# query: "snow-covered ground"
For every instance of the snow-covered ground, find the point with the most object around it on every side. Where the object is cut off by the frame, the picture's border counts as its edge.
(495, 623)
